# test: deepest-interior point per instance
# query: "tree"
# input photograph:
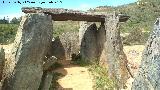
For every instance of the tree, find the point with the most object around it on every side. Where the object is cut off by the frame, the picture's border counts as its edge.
(4, 21)
(15, 20)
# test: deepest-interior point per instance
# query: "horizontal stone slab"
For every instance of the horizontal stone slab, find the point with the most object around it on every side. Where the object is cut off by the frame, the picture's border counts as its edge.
(60, 14)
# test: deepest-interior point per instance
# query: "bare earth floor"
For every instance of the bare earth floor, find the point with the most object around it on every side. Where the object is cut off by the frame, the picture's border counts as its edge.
(134, 57)
(75, 78)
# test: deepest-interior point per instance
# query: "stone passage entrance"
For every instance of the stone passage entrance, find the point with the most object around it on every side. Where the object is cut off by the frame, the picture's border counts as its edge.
(34, 43)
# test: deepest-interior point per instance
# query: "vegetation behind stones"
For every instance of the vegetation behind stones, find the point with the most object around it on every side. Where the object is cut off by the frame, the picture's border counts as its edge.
(7, 33)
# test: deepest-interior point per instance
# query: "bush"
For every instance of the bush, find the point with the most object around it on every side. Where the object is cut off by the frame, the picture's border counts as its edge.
(7, 33)
(101, 78)
(60, 27)
(137, 36)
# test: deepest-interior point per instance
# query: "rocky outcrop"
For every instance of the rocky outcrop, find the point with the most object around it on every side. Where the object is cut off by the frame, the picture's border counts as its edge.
(88, 38)
(148, 77)
(116, 58)
(65, 45)
(32, 42)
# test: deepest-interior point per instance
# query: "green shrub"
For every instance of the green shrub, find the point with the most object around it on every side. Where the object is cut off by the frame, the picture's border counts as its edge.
(60, 27)
(136, 36)
(7, 33)
(101, 78)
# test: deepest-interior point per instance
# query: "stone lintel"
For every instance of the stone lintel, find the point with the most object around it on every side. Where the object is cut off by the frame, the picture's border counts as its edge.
(60, 14)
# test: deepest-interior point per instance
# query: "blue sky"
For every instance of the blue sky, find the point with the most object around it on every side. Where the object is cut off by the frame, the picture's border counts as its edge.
(13, 9)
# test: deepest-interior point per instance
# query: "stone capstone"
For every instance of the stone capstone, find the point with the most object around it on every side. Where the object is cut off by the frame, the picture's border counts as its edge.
(60, 14)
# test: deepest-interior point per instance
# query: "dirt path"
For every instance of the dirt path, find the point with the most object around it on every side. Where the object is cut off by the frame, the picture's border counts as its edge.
(75, 78)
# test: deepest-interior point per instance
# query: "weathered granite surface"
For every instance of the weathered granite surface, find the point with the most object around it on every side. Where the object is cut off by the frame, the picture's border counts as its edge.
(148, 77)
(116, 58)
(32, 41)
(88, 38)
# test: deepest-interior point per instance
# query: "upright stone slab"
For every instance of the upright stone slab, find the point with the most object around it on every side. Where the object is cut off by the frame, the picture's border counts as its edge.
(70, 41)
(58, 50)
(65, 45)
(101, 39)
(30, 47)
(148, 77)
(82, 29)
(88, 50)
(2, 60)
(46, 81)
(116, 59)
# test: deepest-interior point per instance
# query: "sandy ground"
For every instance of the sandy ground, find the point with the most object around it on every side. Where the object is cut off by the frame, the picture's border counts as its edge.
(7, 50)
(134, 57)
(134, 53)
(75, 78)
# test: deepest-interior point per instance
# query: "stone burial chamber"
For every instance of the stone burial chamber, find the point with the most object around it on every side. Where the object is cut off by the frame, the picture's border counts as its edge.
(33, 47)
